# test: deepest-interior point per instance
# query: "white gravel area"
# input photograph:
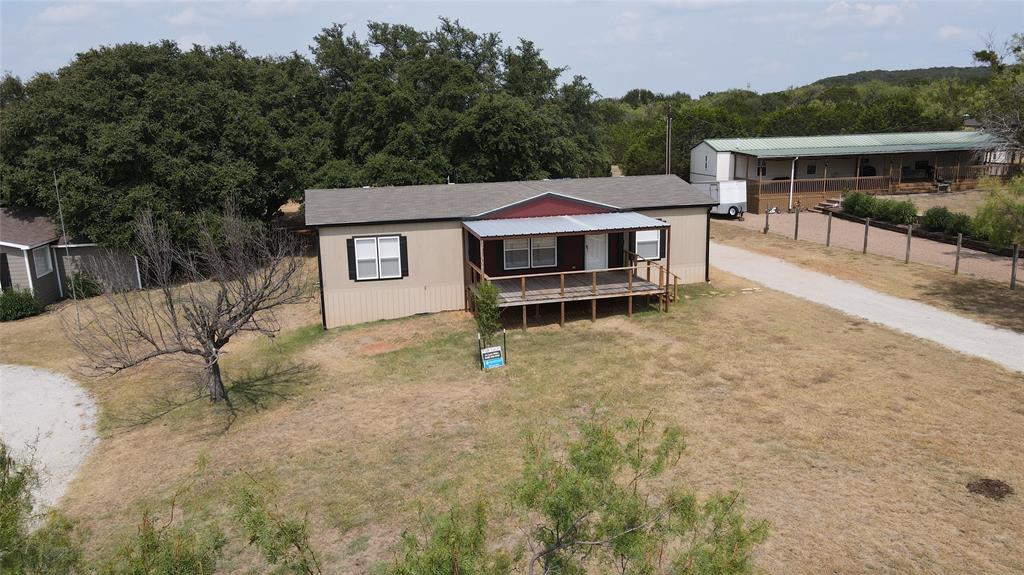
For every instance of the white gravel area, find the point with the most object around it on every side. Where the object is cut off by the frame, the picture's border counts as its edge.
(47, 416)
(998, 345)
(850, 235)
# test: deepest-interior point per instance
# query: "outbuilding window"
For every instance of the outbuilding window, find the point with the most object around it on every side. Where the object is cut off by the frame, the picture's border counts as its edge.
(376, 258)
(648, 244)
(517, 254)
(812, 169)
(762, 168)
(42, 260)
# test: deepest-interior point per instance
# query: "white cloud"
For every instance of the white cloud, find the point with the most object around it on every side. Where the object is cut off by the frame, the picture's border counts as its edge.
(628, 26)
(866, 14)
(69, 14)
(189, 17)
(950, 32)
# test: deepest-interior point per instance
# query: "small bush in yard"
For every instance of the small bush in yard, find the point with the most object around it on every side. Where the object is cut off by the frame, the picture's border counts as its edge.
(488, 321)
(859, 204)
(936, 218)
(83, 285)
(16, 304)
(895, 211)
(959, 223)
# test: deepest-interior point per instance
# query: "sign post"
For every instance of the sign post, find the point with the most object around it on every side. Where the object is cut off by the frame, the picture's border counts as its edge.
(492, 357)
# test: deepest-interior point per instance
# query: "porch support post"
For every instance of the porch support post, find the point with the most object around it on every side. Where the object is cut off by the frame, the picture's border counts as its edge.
(561, 317)
(524, 316)
(465, 271)
(668, 264)
(593, 310)
(792, 181)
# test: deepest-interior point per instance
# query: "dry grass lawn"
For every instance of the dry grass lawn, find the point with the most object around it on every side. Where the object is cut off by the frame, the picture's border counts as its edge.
(968, 201)
(854, 441)
(970, 296)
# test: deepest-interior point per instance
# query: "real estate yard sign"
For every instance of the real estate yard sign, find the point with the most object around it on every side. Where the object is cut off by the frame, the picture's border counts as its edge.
(491, 357)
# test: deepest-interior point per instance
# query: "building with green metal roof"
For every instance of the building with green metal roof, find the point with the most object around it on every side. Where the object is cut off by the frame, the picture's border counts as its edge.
(823, 166)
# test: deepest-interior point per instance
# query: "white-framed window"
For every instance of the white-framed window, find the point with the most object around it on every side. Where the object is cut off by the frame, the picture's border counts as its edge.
(517, 254)
(762, 168)
(42, 260)
(378, 258)
(544, 252)
(389, 255)
(648, 244)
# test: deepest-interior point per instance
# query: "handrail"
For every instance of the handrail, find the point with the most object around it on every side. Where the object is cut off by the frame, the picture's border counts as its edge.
(545, 274)
(654, 262)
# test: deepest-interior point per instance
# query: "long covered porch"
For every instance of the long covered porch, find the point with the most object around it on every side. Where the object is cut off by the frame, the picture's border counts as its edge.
(594, 257)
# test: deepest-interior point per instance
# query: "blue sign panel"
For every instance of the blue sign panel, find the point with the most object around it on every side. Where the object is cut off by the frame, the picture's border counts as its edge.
(492, 357)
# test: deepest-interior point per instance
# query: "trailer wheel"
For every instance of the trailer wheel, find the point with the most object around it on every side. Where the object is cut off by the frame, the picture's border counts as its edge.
(733, 212)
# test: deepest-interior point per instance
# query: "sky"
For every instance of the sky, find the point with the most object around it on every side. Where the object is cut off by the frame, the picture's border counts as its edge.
(693, 46)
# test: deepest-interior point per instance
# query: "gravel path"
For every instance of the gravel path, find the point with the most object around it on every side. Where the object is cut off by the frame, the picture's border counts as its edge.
(49, 414)
(1001, 346)
(850, 235)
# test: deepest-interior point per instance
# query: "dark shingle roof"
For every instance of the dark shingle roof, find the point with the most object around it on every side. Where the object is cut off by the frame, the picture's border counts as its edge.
(25, 227)
(458, 201)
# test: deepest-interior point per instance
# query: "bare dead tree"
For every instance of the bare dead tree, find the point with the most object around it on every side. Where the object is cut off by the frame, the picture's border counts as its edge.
(231, 280)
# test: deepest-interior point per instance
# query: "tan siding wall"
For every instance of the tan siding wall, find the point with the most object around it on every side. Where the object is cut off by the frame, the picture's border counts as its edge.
(16, 262)
(434, 282)
(115, 269)
(689, 240)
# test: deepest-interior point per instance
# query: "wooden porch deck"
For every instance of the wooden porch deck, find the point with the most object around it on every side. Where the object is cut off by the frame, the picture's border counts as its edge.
(578, 286)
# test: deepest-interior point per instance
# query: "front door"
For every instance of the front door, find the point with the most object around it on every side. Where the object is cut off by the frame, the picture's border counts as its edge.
(597, 252)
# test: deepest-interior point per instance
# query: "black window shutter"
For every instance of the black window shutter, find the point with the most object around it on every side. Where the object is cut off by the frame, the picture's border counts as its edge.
(501, 257)
(404, 253)
(351, 243)
(661, 243)
(631, 241)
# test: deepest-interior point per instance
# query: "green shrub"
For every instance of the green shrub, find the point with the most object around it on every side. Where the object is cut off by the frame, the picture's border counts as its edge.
(936, 218)
(859, 204)
(897, 212)
(959, 223)
(83, 285)
(16, 304)
(488, 321)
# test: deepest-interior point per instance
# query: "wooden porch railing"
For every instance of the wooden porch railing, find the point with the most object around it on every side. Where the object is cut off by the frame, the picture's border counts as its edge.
(638, 266)
(960, 173)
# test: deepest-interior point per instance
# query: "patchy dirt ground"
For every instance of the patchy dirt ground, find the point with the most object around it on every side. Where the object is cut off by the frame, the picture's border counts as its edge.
(854, 441)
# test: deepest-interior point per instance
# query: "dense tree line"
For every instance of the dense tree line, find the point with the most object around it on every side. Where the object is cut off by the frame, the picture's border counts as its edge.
(179, 131)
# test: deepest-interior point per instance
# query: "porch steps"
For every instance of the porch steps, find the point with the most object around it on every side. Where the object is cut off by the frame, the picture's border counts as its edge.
(826, 205)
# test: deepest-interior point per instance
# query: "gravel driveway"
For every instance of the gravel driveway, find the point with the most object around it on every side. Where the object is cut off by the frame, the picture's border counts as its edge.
(998, 345)
(850, 235)
(46, 412)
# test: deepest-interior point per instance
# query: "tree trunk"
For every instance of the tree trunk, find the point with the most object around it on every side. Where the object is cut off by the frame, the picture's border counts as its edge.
(216, 383)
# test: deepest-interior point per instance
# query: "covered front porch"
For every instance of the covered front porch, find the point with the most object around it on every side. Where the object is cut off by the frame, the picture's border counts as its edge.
(560, 259)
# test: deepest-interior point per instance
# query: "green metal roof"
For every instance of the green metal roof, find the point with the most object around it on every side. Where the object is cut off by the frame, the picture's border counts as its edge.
(854, 144)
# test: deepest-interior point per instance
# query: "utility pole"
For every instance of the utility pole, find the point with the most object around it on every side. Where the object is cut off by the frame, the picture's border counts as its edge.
(668, 139)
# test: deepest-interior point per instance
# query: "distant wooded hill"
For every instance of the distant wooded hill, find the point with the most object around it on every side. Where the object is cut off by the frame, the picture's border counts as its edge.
(908, 77)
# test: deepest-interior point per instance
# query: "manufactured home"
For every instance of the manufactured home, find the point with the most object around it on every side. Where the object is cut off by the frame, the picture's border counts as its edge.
(34, 257)
(390, 252)
(782, 171)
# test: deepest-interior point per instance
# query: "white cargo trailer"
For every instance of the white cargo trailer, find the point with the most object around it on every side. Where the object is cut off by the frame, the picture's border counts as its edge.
(731, 196)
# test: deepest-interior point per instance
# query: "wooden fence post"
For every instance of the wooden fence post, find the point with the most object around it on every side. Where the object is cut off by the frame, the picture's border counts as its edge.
(828, 230)
(867, 225)
(910, 232)
(1013, 270)
(766, 220)
(959, 242)
(796, 226)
